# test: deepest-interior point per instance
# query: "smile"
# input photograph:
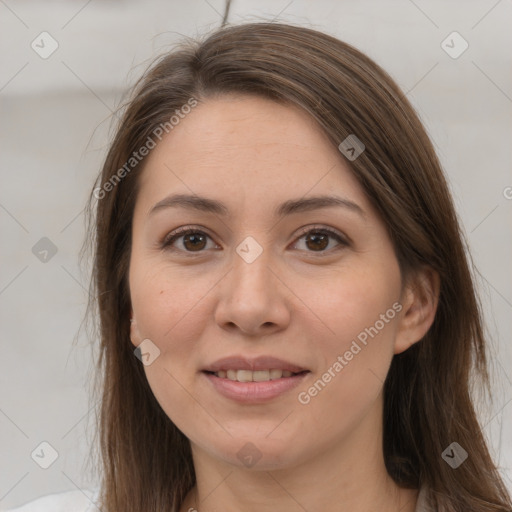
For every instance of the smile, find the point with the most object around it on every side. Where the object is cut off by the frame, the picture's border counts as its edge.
(254, 376)
(243, 386)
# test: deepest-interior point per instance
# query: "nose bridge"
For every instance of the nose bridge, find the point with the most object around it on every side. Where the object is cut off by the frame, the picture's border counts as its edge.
(251, 266)
(251, 298)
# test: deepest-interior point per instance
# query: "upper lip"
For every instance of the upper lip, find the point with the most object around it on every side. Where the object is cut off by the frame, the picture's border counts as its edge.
(257, 363)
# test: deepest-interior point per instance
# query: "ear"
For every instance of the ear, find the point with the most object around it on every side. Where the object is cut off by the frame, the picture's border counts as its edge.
(135, 336)
(420, 298)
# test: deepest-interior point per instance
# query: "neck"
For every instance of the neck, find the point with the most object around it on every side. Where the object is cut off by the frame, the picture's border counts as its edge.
(349, 476)
(269, 491)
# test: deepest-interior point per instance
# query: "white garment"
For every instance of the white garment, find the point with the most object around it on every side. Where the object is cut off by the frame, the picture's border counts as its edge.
(78, 501)
(422, 504)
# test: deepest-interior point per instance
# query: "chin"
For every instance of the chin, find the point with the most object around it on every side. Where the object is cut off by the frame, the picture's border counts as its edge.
(258, 453)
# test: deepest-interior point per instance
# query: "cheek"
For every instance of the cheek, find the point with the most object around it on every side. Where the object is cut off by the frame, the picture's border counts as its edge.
(167, 304)
(352, 302)
(170, 313)
(360, 311)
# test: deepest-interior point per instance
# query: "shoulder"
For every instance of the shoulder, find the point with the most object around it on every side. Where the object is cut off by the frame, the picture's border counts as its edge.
(67, 501)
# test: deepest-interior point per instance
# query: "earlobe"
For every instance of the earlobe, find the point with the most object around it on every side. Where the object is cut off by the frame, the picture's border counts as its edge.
(420, 301)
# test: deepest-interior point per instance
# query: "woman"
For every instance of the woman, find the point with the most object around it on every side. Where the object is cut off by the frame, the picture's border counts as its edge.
(288, 319)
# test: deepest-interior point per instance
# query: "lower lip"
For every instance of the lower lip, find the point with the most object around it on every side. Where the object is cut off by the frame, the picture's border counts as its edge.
(254, 392)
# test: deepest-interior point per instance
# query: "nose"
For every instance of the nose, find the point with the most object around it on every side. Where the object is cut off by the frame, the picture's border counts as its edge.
(253, 298)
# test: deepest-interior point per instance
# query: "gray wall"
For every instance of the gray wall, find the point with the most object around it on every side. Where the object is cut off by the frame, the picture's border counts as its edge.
(54, 128)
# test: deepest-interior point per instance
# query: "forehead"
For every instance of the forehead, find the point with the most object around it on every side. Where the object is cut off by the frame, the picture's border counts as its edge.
(250, 149)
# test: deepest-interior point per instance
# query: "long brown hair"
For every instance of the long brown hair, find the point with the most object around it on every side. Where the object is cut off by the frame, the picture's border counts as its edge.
(146, 461)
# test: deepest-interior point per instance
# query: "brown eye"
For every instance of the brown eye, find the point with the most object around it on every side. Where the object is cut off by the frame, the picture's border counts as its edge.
(318, 239)
(192, 240)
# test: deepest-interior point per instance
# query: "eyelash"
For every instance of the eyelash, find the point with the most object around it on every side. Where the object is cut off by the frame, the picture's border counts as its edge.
(166, 243)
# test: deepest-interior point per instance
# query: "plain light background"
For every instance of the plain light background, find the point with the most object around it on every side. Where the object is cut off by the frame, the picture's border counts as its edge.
(55, 122)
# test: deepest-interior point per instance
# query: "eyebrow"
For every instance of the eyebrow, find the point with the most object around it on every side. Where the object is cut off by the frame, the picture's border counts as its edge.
(204, 204)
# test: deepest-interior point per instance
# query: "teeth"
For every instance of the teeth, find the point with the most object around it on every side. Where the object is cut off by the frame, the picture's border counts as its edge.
(276, 374)
(253, 376)
(244, 376)
(260, 375)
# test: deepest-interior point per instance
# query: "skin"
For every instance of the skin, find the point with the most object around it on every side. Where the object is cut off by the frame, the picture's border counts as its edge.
(291, 302)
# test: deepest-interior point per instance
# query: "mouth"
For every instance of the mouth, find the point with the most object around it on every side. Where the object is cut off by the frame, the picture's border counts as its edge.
(256, 375)
(253, 381)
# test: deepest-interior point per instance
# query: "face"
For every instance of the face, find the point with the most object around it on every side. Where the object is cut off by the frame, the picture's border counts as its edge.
(312, 290)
